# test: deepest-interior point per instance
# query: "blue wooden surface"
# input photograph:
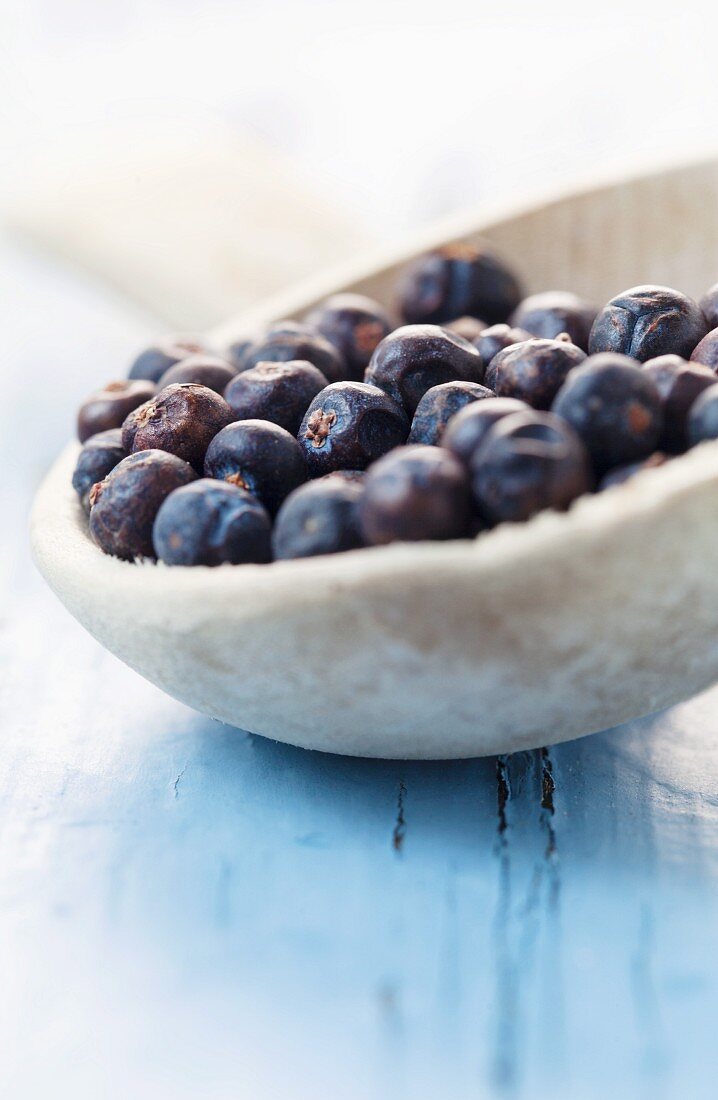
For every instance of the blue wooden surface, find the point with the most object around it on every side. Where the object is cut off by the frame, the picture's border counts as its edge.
(190, 911)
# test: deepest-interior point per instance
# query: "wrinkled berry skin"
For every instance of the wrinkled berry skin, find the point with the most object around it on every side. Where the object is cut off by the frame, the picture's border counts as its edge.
(535, 370)
(528, 462)
(182, 419)
(493, 340)
(615, 408)
(257, 456)
(414, 358)
(553, 313)
(706, 352)
(703, 417)
(354, 325)
(437, 407)
(679, 384)
(455, 280)
(709, 306)
(415, 493)
(280, 392)
(124, 505)
(348, 426)
(108, 407)
(647, 321)
(287, 341)
(212, 523)
(97, 458)
(156, 360)
(468, 429)
(320, 517)
(620, 474)
(202, 370)
(470, 328)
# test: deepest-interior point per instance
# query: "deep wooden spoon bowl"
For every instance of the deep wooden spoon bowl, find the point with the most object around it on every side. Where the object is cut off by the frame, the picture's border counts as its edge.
(531, 634)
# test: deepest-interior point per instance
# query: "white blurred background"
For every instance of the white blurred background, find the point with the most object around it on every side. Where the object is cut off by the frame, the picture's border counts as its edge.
(399, 110)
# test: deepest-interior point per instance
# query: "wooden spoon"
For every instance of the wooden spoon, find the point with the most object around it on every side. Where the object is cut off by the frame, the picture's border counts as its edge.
(530, 635)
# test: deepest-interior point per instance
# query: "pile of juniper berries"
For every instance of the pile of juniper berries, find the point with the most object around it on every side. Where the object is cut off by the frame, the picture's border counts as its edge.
(471, 406)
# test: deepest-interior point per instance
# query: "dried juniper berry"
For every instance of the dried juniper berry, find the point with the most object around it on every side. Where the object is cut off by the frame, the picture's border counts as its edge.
(238, 349)
(647, 321)
(614, 406)
(414, 358)
(709, 305)
(348, 426)
(535, 370)
(493, 340)
(97, 458)
(257, 456)
(319, 518)
(123, 506)
(468, 327)
(354, 325)
(415, 493)
(280, 392)
(156, 360)
(619, 474)
(212, 523)
(706, 351)
(108, 407)
(203, 370)
(288, 341)
(528, 462)
(550, 314)
(703, 417)
(455, 280)
(467, 430)
(437, 407)
(182, 420)
(679, 384)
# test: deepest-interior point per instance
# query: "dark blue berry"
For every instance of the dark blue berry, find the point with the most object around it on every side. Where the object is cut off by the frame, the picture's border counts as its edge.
(455, 280)
(123, 506)
(414, 358)
(550, 314)
(679, 384)
(319, 518)
(287, 341)
(614, 406)
(203, 370)
(280, 392)
(493, 340)
(108, 407)
(620, 474)
(415, 493)
(238, 349)
(182, 419)
(528, 462)
(535, 370)
(257, 456)
(703, 417)
(709, 305)
(156, 360)
(437, 407)
(468, 429)
(97, 458)
(647, 321)
(354, 325)
(706, 351)
(349, 425)
(212, 523)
